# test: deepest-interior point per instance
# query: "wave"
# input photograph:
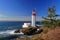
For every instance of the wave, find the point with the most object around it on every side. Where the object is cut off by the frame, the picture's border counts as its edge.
(8, 32)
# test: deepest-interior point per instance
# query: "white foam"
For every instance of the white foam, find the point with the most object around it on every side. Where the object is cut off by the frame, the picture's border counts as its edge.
(10, 32)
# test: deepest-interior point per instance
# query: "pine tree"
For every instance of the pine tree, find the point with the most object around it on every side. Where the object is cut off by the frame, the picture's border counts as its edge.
(50, 20)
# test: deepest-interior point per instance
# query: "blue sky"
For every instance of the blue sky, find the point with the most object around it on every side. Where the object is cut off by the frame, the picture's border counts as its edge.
(16, 8)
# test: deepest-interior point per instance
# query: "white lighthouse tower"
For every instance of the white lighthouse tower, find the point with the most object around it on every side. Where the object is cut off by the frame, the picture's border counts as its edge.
(33, 18)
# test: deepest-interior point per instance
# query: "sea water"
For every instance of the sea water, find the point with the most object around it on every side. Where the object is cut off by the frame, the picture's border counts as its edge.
(8, 26)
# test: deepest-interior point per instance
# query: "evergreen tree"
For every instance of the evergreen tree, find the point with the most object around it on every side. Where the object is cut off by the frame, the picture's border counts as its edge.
(50, 20)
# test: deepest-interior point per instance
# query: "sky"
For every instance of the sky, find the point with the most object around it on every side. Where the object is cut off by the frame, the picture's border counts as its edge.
(21, 8)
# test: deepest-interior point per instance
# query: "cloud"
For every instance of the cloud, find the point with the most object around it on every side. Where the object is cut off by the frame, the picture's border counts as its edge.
(21, 18)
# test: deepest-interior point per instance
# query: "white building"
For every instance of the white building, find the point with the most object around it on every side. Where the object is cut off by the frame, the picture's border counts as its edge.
(26, 25)
(33, 18)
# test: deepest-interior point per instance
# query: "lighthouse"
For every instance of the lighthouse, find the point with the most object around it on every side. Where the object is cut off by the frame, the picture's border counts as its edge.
(33, 18)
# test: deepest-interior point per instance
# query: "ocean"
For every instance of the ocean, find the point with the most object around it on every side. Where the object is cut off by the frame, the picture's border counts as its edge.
(8, 26)
(11, 25)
